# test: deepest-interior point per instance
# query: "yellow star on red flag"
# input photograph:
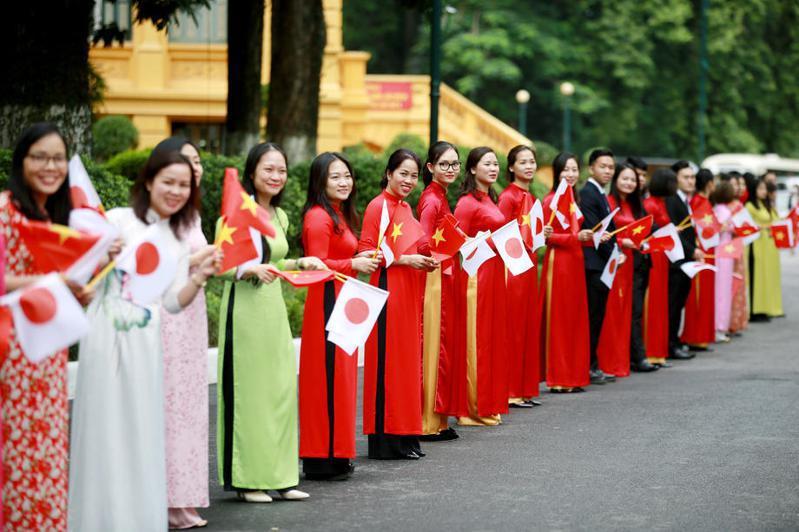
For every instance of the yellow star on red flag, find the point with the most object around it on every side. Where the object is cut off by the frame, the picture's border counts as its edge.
(397, 231)
(438, 236)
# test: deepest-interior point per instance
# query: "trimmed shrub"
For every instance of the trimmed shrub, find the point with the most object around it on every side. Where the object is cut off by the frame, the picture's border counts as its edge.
(128, 163)
(112, 135)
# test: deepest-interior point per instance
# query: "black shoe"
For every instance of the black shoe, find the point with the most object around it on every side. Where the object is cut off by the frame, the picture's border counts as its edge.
(609, 377)
(410, 455)
(703, 348)
(759, 318)
(679, 354)
(643, 367)
(597, 377)
(523, 404)
(663, 364)
(533, 402)
(447, 434)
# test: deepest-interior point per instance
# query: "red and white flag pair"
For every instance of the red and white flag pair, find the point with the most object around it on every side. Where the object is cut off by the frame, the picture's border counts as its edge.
(397, 233)
(744, 226)
(47, 317)
(707, 226)
(357, 308)
(564, 207)
(667, 239)
(531, 223)
(475, 252)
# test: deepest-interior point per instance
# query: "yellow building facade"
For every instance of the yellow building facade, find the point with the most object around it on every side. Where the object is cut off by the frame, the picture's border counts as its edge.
(177, 83)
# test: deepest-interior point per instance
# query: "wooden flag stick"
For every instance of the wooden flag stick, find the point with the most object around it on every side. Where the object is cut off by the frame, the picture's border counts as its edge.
(685, 221)
(99, 277)
(597, 226)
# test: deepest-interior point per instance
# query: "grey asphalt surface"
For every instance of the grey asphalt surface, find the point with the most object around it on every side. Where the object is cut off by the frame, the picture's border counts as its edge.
(710, 444)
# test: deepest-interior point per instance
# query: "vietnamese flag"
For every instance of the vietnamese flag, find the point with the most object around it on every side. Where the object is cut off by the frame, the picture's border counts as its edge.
(55, 247)
(734, 249)
(239, 209)
(782, 233)
(402, 233)
(639, 230)
(447, 239)
(236, 243)
(47, 317)
(707, 225)
(300, 279)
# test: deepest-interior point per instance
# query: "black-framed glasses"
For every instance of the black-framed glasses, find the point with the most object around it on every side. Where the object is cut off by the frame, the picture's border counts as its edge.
(444, 166)
(42, 159)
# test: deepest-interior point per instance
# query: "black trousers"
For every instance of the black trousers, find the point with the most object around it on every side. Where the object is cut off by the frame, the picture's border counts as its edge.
(679, 288)
(640, 283)
(597, 301)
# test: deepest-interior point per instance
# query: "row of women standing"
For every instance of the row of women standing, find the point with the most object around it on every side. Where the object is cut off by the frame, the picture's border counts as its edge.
(446, 344)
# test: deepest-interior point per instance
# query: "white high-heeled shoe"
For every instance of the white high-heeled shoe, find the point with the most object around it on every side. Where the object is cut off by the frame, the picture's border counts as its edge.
(292, 495)
(255, 496)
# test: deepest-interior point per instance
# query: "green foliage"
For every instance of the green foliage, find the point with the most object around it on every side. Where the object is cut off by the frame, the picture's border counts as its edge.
(112, 135)
(128, 163)
(408, 141)
(635, 67)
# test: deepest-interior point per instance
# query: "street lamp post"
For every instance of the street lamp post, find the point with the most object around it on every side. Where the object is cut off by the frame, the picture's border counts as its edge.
(522, 97)
(435, 69)
(567, 90)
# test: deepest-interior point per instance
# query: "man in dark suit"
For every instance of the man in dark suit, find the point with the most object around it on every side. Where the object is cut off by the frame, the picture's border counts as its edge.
(594, 205)
(679, 207)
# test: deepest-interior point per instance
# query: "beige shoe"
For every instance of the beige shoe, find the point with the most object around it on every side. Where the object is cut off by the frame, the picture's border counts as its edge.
(293, 495)
(254, 496)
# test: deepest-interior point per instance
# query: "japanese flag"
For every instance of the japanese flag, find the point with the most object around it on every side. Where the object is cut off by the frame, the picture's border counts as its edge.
(475, 252)
(692, 267)
(554, 204)
(508, 241)
(91, 221)
(47, 317)
(676, 252)
(81, 189)
(611, 267)
(385, 220)
(603, 226)
(354, 315)
(150, 266)
(537, 223)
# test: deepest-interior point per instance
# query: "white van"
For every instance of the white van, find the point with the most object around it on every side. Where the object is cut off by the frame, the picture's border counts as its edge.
(787, 170)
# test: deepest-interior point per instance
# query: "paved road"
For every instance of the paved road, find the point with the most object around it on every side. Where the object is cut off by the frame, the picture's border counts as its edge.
(710, 444)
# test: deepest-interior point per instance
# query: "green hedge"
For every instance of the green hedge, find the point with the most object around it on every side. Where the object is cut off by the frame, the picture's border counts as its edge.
(112, 135)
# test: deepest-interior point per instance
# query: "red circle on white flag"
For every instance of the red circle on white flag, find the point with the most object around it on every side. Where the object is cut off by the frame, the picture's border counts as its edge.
(612, 267)
(707, 232)
(147, 258)
(356, 310)
(79, 198)
(514, 248)
(39, 305)
(472, 254)
(539, 225)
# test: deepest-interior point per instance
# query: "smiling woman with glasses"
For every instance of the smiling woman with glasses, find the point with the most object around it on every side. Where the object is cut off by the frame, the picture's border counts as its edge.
(36, 461)
(440, 171)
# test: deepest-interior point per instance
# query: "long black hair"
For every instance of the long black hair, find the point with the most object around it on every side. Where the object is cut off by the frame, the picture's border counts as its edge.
(434, 153)
(469, 185)
(253, 157)
(59, 204)
(182, 220)
(751, 188)
(703, 177)
(634, 197)
(663, 183)
(317, 184)
(395, 160)
(512, 155)
(558, 164)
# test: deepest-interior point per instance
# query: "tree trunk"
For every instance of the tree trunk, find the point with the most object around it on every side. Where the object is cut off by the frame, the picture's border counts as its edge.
(245, 29)
(44, 53)
(298, 42)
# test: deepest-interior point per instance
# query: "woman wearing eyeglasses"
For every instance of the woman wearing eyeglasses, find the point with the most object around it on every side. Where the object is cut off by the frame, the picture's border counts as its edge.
(33, 397)
(440, 171)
